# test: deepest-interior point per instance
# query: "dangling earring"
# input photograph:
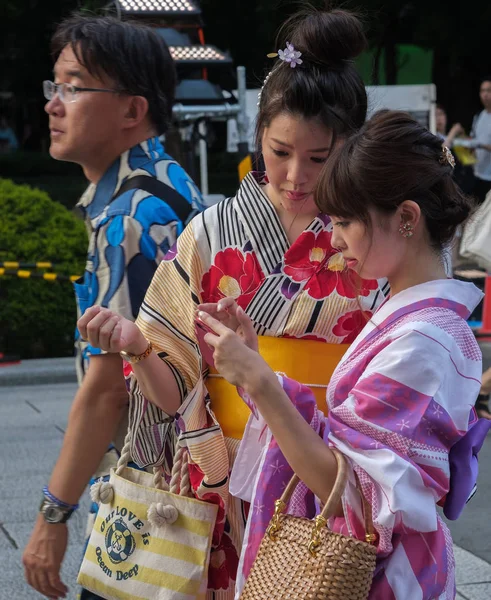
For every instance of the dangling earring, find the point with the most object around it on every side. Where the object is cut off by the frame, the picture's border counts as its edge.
(406, 230)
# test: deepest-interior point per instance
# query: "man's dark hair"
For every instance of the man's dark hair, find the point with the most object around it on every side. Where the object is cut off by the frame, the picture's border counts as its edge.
(134, 56)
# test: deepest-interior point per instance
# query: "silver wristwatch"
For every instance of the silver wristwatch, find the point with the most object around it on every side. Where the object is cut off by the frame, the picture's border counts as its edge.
(53, 513)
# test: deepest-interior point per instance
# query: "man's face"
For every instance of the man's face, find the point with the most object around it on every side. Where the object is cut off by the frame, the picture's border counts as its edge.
(485, 94)
(88, 130)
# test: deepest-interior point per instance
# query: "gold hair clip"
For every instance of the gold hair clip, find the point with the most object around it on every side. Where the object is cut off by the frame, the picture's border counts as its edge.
(447, 157)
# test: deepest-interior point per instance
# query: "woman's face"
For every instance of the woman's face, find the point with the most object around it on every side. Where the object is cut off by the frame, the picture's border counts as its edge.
(374, 253)
(294, 152)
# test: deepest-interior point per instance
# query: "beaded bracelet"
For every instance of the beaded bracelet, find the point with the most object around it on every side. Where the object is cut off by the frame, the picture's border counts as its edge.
(55, 500)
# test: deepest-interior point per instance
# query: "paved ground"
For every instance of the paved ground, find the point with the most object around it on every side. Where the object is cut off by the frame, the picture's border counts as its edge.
(32, 422)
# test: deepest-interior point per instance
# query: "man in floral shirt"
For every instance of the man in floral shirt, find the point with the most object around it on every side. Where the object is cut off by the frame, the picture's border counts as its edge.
(112, 98)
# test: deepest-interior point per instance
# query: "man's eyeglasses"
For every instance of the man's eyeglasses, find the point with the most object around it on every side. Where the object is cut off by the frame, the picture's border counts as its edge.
(68, 92)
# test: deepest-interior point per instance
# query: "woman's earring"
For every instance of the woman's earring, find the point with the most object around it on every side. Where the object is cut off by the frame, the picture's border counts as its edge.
(406, 230)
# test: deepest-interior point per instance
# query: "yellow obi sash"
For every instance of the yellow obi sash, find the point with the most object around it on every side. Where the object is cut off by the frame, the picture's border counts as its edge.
(306, 361)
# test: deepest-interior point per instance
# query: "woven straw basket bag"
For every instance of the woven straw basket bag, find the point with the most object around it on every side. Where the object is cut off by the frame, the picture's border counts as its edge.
(301, 559)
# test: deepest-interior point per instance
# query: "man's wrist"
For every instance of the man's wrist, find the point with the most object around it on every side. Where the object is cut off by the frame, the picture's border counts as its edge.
(53, 513)
(54, 510)
(55, 500)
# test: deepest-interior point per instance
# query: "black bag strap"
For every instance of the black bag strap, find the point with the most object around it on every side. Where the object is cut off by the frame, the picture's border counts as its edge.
(159, 189)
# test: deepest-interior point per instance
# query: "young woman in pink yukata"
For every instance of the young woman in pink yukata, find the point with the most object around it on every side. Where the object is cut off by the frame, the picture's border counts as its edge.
(401, 400)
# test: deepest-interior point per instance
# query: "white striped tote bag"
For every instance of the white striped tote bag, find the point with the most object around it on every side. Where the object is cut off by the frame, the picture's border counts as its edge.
(149, 541)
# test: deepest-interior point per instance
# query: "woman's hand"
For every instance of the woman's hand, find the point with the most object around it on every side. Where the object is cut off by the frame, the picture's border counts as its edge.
(224, 311)
(228, 312)
(235, 353)
(108, 331)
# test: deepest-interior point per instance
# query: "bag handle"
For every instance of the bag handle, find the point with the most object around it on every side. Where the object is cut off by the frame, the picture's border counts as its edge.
(333, 500)
(179, 483)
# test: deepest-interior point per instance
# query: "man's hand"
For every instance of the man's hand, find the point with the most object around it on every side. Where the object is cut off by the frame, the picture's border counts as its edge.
(43, 556)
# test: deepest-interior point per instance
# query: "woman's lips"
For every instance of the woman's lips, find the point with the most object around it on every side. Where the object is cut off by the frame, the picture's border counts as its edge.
(297, 196)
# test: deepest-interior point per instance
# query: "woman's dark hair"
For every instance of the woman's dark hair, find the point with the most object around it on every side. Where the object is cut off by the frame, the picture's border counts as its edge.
(391, 159)
(326, 86)
(134, 56)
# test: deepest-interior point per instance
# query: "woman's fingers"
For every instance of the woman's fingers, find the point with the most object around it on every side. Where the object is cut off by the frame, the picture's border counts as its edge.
(228, 305)
(116, 338)
(106, 333)
(94, 326)
(84, 320)
(209, 307)
(248, 332)
(221, 314)
(218, 327)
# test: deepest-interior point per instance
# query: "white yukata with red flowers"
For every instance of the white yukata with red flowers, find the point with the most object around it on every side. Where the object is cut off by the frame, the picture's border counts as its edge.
(237, 248)
(400, 402)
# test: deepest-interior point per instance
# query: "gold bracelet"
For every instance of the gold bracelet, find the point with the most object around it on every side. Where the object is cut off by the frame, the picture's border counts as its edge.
(136, 358)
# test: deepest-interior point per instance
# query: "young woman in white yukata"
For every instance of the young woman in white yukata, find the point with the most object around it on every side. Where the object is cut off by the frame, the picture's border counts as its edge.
(269, 248)
(401, 400)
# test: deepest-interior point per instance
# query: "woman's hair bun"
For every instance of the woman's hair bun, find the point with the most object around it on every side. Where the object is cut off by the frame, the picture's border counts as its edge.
(456, 212)
(324, 37)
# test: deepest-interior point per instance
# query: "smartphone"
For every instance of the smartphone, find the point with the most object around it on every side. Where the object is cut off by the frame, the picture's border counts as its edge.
(206, 350)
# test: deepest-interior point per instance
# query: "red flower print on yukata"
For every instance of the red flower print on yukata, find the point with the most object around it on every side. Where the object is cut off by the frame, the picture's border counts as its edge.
(313, 258)
(224, 562)
(350, 324)
(233, 274)
(127, 369)
(306, 254)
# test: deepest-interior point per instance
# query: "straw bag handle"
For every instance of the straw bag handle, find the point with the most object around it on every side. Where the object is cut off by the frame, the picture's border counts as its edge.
(179, 483)
(333, 500)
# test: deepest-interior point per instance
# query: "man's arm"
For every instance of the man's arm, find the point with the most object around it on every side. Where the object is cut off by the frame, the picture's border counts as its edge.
(94, 417)
(92, 424)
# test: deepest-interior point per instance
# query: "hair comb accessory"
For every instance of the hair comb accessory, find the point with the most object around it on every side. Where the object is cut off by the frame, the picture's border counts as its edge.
(290, 55)
(446, 157)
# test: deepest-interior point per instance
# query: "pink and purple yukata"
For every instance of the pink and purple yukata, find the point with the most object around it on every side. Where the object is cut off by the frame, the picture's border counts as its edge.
(401, 410)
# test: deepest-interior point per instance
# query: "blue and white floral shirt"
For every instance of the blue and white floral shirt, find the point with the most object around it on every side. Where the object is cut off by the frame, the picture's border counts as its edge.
(129, 235)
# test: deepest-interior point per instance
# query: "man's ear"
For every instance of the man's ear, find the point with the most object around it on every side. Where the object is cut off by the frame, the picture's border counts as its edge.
(136, 111)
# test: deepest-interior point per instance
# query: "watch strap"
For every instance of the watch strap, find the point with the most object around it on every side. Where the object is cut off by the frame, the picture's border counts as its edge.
(135, 358)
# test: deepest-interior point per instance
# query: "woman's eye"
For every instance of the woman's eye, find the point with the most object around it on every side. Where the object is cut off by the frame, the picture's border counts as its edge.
(342, 224)
(319, 159)
(279, 152)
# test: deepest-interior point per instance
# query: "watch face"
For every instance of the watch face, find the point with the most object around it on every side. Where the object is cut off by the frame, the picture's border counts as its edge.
(53, 513)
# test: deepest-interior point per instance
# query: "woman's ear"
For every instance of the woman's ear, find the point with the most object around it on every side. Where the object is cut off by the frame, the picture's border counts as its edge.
(410, 213)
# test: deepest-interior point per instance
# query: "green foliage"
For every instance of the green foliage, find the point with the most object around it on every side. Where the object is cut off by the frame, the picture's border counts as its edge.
(37, 317)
